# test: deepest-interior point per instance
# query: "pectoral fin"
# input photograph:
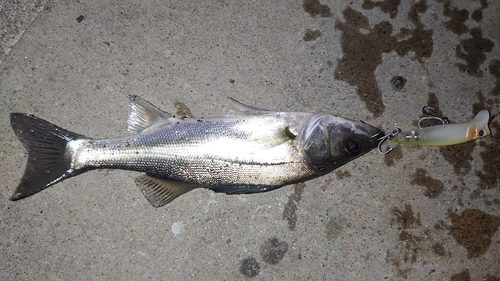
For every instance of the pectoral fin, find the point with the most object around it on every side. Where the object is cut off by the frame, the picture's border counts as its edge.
(160, 192)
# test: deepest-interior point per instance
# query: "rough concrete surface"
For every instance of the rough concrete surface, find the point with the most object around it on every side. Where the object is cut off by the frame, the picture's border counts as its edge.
(419, 213)
(15, 18)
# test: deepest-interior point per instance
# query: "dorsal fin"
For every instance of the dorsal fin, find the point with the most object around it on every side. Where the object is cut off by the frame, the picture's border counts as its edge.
(247, 109)
(143, 114)
(160, 192)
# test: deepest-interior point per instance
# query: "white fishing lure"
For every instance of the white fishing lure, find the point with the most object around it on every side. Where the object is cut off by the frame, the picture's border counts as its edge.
(442, 135)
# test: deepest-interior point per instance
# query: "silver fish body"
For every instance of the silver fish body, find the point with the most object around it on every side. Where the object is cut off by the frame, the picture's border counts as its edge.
(256, 151)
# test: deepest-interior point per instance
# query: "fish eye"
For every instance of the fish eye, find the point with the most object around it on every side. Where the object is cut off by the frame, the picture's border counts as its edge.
(481, 133)
(353, 146)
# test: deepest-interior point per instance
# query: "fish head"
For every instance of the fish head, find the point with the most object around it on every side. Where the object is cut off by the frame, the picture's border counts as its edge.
(330, 141)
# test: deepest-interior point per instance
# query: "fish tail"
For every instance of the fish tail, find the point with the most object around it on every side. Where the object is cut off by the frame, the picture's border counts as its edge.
(48, 162)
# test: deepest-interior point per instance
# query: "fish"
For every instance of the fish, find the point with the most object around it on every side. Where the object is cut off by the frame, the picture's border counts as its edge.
(251, 151)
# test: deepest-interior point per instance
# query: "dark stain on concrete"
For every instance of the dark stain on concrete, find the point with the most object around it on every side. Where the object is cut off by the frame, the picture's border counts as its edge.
(490, 173)
(290, 209)
(250, 267)
(311, 35)
(494, 69)
(405, 217)
(491, 278)
(273, 251)
(460, 156)
(456, 24)
(396, 154)
(418, 40)
(362, 53)
(472, 51)
(387, 6)
(342, 174)
(477, 15)
(438, 249)
(473, 229)
(410, 244)
(315, 8)
(182, 111)
(333, 229)
(394, 259)
(409, 248)
(461, 276)
(328, 180)
(434, 187)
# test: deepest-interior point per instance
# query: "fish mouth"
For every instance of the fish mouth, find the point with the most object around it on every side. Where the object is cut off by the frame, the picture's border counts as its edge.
(374, 132)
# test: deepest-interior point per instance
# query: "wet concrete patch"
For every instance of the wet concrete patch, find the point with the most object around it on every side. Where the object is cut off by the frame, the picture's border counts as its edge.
(182, 111)
(434, 187)
(473, 229)
(461, 276)
(250, 267)
(387, 6)
(315, 8)
(333, 229)
(311, 34)
(362, 52)
(405, 217)
(438, 249)
(341, 174)
(457, 18)
(473, 52)
(489, 175)
(494, 69)
(290, 209)
(406, 252)
(489, 277)
(459, 156)
(273, 251)
(396, 154)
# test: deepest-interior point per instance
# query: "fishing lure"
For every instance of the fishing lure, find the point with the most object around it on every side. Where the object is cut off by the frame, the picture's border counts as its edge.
(441, 135)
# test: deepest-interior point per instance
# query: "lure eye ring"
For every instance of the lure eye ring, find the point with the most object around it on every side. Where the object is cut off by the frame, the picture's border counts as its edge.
(480, 133)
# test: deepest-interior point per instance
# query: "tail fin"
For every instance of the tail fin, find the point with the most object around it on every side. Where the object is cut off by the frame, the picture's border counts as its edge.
(48, 162)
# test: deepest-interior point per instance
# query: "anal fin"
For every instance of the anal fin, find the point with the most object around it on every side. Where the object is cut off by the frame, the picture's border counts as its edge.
(160, 192)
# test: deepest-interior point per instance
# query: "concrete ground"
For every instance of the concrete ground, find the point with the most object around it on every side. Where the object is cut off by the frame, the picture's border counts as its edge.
(418, 213)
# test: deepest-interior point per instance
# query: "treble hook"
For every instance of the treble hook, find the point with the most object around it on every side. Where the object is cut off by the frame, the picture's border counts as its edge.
(389, 136)
(427, 110)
